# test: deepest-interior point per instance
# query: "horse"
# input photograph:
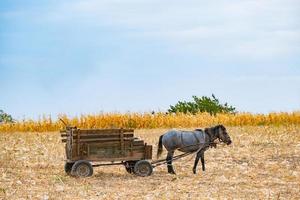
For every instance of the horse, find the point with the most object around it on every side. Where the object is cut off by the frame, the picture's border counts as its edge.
(191, 141)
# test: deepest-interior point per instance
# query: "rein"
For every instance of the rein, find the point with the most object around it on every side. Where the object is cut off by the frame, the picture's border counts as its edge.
(163, 161)
(210, 144)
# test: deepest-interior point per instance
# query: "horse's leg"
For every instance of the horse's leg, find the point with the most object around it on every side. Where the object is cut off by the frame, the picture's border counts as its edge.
(196, 162)
(169, 162)
(202, 161)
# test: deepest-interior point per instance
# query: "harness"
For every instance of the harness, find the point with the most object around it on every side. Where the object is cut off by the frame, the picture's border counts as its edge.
(195, 136)
(210, 144)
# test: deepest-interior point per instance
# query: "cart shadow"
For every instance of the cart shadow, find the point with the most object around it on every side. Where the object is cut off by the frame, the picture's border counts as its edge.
(110, 175)
(126, 176)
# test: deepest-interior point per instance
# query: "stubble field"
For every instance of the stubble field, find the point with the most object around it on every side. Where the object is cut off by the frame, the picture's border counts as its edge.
(263, 162)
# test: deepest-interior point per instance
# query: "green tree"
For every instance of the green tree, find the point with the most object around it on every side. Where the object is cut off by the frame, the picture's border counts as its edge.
(5, 118)
(211, 105)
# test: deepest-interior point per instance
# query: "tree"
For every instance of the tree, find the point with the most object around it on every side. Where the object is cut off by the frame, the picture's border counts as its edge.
(5, 118)
(211, 105)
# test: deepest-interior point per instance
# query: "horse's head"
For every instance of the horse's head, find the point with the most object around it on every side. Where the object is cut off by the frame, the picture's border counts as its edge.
(222, 135)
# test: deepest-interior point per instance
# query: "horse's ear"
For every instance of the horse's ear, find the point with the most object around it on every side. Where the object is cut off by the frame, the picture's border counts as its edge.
(216, 128)
(222, 127)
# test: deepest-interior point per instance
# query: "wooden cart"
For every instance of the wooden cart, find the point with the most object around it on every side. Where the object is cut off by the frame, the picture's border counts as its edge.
(90, 148)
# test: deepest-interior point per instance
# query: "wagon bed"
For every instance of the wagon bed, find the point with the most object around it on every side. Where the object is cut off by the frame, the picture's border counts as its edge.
(86, 148)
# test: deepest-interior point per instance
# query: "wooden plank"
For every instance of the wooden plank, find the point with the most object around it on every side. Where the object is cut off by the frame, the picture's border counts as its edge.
(78, 141)
(148, 152)
(105, 135)
(138, 142)
(100, 136)
(83, 149)
(99, 131)
(109, 154)
(96, 147)
(106, 140)
(73, 153)
(135, 156)
(103, 131)
(101, 140)
(122, 141)
(113, 152)
(131, 148)
(112, 144)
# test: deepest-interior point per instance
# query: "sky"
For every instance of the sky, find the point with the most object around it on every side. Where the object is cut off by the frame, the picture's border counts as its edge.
(86, 57)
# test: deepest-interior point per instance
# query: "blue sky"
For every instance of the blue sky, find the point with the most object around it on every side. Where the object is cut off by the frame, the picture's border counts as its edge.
(90, 56)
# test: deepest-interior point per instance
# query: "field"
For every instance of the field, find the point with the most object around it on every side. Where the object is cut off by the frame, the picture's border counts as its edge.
(263, 162)
(150, 121)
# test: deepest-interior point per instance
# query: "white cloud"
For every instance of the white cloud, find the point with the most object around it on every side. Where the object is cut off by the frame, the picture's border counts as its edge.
(254, 29)
(265, 78)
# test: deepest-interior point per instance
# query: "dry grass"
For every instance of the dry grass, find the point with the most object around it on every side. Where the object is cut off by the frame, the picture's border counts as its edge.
(148, 120)
(263, 162)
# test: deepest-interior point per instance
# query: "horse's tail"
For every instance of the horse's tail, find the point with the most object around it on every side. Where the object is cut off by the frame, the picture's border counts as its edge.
(160, 147)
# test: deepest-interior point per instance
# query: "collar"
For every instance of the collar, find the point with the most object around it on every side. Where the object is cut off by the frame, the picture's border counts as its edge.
(211, 142)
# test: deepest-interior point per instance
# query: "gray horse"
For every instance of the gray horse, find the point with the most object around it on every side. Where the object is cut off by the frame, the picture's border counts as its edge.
(191, 141)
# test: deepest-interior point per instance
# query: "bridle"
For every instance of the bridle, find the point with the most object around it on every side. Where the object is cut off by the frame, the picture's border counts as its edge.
(211, 140)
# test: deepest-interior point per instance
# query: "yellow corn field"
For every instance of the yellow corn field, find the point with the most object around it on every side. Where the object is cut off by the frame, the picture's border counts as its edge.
(148, 120)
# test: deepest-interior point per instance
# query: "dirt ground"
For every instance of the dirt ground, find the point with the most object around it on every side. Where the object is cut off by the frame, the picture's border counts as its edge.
(263, 162)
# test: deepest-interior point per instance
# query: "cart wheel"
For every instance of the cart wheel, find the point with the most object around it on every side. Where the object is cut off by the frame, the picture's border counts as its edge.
(68, 167)
(129, 166)
(82, 168)
(143, 168)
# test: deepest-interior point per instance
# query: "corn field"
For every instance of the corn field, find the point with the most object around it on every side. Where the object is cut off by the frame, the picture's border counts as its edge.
(150, 121)
(263, 162)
